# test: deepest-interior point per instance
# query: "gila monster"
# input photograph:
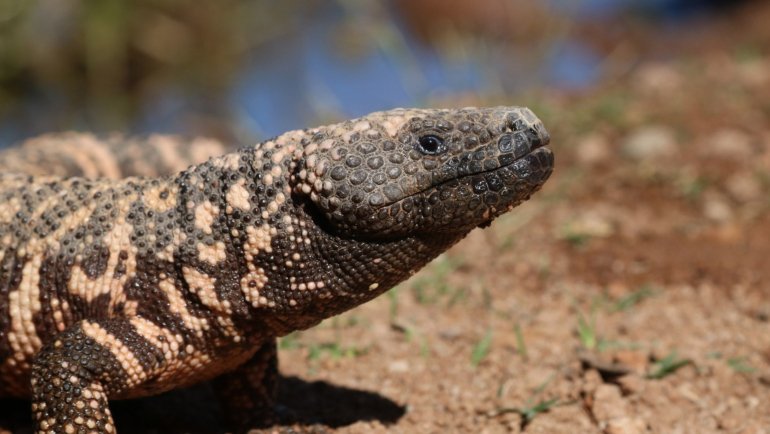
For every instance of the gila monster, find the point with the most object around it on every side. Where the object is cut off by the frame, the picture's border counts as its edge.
(119, 281)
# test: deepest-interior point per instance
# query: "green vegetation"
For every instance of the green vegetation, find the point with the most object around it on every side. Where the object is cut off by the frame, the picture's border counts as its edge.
(691, 187)
(667, 366)
(529, 413)
(610, 344)
(392, 295)
(609, 108)
(521, 345)
(481, 349)
(346, 320)
(333, 350)
(290, 341)
(575, 238)
(412, 335)
(747, 53)
(739, 365)
(432, 285)
(586, 329)
(534, 405)
(628, 301)
(107, 58)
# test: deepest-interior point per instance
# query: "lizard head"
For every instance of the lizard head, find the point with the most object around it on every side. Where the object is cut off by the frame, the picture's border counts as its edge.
(404, 172)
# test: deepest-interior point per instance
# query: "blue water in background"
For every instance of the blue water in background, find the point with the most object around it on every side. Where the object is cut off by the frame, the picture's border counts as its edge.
(302, 79)
(285, 89)
(291, 84)
(665, 10)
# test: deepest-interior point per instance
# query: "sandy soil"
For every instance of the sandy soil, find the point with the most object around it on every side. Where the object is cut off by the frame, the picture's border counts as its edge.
(629, 296)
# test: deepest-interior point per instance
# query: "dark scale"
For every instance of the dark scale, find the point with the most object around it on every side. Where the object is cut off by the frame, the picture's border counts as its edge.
(126, 288)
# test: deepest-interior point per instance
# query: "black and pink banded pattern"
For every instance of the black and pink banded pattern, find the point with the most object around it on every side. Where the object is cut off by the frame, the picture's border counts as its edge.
(122, 278)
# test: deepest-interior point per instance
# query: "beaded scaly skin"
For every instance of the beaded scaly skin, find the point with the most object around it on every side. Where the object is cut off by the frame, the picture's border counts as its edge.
(117, 287)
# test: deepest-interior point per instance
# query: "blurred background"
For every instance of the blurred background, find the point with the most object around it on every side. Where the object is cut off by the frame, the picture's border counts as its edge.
(246, 69)
(631, 295)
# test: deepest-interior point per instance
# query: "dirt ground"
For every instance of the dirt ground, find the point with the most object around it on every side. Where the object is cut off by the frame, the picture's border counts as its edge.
(632, 295)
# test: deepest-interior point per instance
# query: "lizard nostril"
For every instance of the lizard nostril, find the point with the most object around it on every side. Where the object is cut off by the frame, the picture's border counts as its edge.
(545, 138)
(515, 124)
(539, 136)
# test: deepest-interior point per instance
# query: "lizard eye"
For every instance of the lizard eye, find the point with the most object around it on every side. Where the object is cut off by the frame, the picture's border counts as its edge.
(431, 145)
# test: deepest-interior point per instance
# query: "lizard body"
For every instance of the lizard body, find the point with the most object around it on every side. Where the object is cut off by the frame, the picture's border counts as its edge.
(122, 288)
(113, 157)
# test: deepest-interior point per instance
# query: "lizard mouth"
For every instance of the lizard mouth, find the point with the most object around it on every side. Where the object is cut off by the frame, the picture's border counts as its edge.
(533, 167)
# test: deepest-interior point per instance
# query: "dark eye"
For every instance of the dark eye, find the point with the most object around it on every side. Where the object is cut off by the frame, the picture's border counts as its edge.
(431, 145)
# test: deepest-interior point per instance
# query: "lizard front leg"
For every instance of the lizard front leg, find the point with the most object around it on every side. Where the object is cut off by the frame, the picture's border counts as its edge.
(248, 393)
(73, 376)
(248, 396)
(68, 384)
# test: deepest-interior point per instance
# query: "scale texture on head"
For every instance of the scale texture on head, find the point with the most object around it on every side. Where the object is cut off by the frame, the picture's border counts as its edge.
(121, 279)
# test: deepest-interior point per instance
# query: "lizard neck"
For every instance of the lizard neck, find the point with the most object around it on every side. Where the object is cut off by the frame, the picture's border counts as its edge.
(317, 274)
(267, 240)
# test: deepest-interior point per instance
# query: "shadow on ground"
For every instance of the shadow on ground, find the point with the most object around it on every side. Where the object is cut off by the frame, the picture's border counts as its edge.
(195, 410)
